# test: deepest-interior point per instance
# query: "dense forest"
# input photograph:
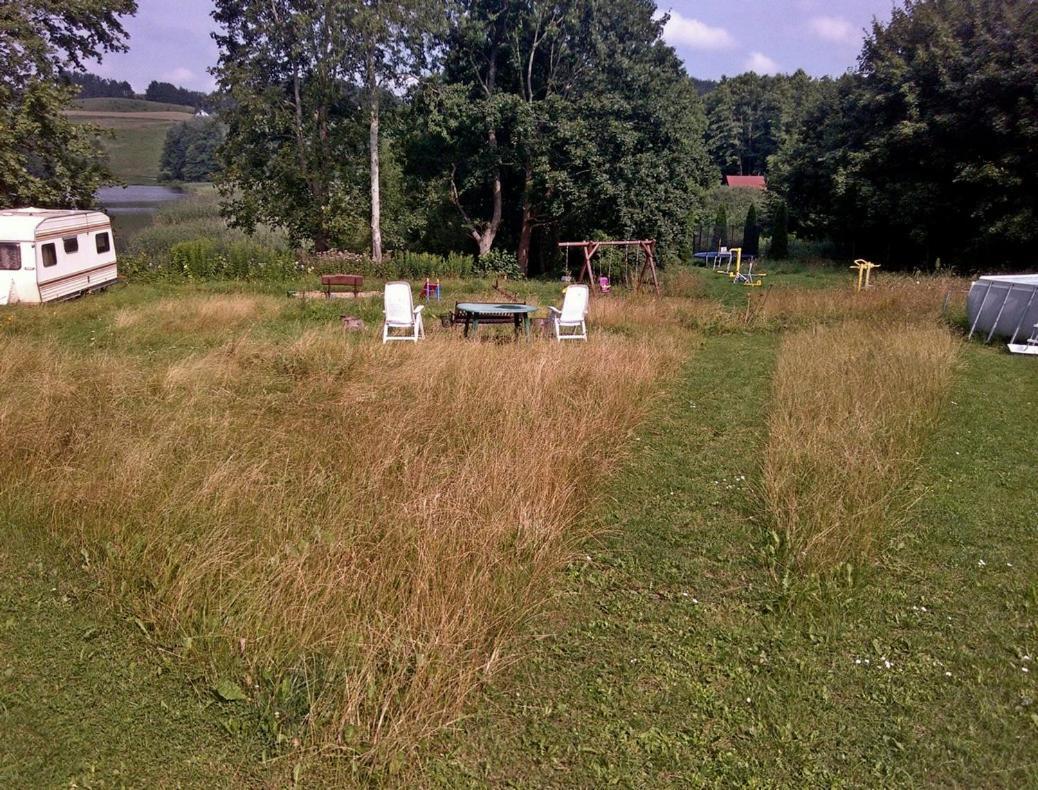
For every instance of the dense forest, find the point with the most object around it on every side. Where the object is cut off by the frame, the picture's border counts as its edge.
(93, 87)
(503, 127)
(172, 94)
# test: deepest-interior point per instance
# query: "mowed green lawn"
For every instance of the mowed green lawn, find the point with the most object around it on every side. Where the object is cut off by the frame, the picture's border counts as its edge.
(671, 654)
(138, 133)
(677, 659)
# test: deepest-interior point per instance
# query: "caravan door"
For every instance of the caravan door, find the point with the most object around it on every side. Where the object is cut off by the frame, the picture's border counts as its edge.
(10, 271)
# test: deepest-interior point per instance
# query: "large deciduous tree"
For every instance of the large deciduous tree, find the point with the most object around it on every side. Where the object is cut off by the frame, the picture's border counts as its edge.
(286, 67)
(44, 158)
(931, 149)
(307, 80)
(566, 113)
(392, 41)
(750, 116)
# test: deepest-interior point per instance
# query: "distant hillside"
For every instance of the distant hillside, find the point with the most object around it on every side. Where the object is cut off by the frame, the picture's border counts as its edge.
(138, 130)
(128, 105)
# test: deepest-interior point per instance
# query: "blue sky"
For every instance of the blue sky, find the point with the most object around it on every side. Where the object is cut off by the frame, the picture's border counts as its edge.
(169, 39)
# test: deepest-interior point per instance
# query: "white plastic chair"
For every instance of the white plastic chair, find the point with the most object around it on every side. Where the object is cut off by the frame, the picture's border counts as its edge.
(572, 315)
(402, 314)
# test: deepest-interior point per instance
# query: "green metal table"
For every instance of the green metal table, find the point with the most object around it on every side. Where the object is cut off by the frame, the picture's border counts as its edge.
(494, 312)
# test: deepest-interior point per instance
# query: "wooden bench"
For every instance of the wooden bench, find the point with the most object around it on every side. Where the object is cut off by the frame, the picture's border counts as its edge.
(351, 281)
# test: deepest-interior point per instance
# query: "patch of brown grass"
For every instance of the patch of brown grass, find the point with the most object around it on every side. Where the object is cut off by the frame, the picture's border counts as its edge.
(353, 533)
(852, 408)
(635, 313)
(197, 314)
(898, 298)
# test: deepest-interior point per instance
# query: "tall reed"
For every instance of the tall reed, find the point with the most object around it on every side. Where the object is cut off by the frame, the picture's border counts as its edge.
(852, 408)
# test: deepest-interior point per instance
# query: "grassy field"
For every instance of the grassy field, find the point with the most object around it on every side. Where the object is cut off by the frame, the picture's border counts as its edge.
(138, 133)
(486, 564)
(129, 105)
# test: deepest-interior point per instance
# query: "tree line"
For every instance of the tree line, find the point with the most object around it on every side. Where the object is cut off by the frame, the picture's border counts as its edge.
(493, 125)
(92, 86)
(501, 126)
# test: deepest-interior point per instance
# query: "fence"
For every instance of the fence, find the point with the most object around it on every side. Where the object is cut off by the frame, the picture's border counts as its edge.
(705, 237)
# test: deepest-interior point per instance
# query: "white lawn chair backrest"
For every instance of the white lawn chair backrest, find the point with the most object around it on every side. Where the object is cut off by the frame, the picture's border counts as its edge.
(574, 307)
(399, 305)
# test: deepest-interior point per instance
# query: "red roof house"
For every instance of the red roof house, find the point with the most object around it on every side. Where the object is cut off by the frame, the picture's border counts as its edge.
(746, 182)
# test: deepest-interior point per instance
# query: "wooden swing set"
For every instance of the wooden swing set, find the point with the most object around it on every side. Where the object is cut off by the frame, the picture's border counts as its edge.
(589, 248)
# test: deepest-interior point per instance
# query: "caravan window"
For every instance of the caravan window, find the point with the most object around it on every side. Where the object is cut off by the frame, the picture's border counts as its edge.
(10, 257)
(71, 244)
(103, 241)
(50, 255)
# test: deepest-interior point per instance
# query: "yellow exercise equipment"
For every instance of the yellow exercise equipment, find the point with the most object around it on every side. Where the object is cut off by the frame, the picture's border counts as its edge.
(748, 278)
(864, 270)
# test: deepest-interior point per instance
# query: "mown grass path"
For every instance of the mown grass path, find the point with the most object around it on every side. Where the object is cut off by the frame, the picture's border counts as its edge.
(84, 702)
(678, 659)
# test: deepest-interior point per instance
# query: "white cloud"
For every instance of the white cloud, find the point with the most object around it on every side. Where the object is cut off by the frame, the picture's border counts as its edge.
(832, 28)
(682, 31)
(761, 64)
(179, 76)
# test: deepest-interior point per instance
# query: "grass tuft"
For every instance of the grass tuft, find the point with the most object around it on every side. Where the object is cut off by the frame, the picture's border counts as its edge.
(852, 408)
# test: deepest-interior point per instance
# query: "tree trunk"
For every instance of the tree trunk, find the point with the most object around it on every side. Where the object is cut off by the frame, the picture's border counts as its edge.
(526, 231)
(373, 141)
(485, 240)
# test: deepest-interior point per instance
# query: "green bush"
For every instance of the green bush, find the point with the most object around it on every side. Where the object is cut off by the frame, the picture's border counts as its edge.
(498, 262)
(779, 248)
(204, 259)
(424, 264)
(400, 265)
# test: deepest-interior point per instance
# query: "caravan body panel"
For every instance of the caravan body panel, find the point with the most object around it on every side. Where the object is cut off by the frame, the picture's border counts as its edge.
(54, 254)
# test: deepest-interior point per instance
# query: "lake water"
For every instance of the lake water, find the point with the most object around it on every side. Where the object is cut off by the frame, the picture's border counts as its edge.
(132, 208)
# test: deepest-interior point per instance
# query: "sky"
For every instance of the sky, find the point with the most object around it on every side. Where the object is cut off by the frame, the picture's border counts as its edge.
(170, 41)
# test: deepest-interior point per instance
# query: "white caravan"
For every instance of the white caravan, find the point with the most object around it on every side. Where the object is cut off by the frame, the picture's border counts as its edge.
(54, 254)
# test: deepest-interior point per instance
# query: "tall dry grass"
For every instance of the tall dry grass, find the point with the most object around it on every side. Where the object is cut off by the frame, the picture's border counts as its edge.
(631, 313)
(352, 533)
(852, 408)
(898, 298)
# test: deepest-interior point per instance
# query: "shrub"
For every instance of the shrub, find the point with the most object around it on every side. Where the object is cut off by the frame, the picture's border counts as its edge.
(235, 260)
(751, 232)
(779, 233)
(399, 265)
(424, 264)
(499, 262)
(720, 234)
